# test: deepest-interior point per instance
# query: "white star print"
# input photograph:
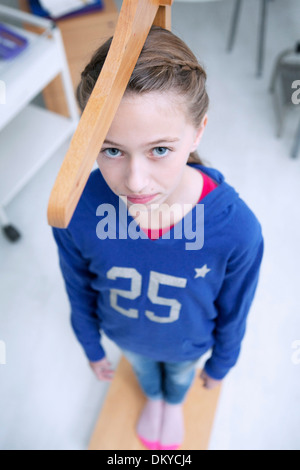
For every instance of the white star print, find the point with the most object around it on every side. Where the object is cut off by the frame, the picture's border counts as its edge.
(201, 272)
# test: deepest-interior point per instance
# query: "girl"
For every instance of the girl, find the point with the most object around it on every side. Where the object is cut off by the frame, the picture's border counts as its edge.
(141, 259)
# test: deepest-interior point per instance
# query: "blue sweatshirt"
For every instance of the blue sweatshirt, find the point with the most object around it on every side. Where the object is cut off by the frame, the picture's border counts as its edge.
(173, 298)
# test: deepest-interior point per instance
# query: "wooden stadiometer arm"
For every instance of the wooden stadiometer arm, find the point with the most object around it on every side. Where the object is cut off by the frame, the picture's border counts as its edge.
(135, 20)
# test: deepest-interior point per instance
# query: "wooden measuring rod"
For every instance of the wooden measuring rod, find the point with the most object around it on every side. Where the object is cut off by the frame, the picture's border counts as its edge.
(135, 20)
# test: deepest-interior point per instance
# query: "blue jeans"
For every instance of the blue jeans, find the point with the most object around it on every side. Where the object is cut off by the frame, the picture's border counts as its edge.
(169, 381)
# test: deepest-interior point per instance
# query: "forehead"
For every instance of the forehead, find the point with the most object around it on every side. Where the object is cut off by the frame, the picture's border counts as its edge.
(149, 112)
(165, 101)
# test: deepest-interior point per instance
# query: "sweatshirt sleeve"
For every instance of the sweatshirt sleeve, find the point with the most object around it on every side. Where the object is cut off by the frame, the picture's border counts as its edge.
(234, 301)
(82, 297)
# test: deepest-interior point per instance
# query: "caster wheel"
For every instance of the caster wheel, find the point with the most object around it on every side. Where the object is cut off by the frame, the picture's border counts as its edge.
(11, 233)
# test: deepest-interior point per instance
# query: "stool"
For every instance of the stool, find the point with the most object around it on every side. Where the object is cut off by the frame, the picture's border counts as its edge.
(296, 145)
(286, 72)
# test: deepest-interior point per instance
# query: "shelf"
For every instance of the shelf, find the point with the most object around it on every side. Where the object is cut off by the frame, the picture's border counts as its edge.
(26, 144)
(29, 135)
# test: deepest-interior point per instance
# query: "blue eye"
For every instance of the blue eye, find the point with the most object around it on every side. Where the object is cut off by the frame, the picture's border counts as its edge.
(160, 151)
(112, 152)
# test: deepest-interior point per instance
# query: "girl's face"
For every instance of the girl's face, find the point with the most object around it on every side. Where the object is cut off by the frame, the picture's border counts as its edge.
(144, 155)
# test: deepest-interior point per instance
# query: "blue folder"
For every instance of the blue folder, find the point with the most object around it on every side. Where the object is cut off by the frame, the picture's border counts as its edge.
(38, 10)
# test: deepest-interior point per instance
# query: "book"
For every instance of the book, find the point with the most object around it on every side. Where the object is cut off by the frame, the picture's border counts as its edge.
(11, 43)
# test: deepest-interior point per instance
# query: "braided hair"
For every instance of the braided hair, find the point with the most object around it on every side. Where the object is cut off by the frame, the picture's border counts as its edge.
(165, 64)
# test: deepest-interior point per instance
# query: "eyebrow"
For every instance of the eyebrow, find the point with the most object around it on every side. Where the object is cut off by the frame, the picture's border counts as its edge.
(156, 142)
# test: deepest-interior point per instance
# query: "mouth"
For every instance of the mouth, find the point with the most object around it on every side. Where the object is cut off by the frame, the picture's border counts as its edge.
(141, 199)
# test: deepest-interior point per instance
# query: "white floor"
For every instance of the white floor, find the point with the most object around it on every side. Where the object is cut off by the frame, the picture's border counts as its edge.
(49, 398)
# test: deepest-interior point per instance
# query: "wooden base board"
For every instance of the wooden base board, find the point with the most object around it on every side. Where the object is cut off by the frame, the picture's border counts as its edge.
(115, 428)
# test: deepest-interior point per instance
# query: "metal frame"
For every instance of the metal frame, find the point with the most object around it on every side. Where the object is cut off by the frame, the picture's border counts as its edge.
(261, 32)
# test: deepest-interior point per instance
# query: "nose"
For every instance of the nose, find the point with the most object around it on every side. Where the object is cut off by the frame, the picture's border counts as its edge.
(137, 177)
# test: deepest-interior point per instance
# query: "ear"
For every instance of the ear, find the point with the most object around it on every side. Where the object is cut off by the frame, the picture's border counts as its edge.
(199, 133)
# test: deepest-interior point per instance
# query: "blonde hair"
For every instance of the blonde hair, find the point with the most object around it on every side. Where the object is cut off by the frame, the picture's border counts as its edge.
(165, 64)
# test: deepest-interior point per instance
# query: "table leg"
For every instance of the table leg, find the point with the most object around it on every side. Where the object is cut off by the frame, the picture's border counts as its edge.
(296, 146)
(235, 18)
